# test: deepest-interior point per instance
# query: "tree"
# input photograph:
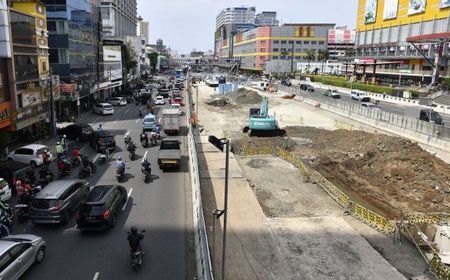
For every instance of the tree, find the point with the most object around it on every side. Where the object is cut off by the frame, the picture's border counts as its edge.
(284, 54)
(130, 55)
(153, 57)
(310, 55)
(349, 55)
(323, 56)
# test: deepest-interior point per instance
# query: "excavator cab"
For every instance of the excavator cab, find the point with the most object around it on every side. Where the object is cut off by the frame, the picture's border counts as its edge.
(254, 112)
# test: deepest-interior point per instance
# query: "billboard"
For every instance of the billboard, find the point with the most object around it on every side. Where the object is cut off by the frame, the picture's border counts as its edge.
(370, 14)
(416, 6)
(390, 9)
(444, 4)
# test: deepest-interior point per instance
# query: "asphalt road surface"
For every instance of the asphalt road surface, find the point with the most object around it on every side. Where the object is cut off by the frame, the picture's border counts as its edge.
(159, 207)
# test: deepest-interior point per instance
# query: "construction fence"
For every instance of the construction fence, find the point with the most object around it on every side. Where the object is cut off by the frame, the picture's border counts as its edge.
(369, 217)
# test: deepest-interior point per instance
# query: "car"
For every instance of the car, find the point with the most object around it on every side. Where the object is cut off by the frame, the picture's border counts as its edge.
(101, 207)
(359, 96)
(11, 171)
(164, 92)
(103, 109)
(370, 105)
(176, 107)
(18, 252)
(176, 100)
(58, 201)
(286, 82)
(32, 154)
(307, 87)
(332, 93)
(149, 122)
(160, 100)
(118, 101)
(102, 139)
(77, 131)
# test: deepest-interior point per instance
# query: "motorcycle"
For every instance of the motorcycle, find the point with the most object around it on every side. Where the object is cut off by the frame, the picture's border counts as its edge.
(105, 154)
(120, 175)
(154, 138)
(23, 212)
(136, 257)
(87, 170)
(75, 161)
(144, 140)
(127, 139)
(64, 171)
(147, 174)
(45, 177)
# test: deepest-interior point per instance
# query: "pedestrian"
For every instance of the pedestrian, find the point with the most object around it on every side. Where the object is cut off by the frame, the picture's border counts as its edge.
(384, 95)
(59, 150)
(100, 128)
(64, 143)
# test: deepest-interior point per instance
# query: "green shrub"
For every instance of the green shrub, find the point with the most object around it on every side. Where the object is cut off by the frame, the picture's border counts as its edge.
(341, 82)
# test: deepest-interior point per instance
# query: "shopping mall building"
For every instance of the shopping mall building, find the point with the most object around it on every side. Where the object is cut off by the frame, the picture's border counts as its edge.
(401, 38)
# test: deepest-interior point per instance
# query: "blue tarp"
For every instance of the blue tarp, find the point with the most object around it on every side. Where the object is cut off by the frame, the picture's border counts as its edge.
(227, 88)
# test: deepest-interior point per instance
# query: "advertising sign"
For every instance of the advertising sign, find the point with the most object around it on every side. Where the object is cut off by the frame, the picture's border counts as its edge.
(390, 9)
(56, 84)
(445, 4)
(67, 87)
(32, 98)
(370, 15)
(416, 6)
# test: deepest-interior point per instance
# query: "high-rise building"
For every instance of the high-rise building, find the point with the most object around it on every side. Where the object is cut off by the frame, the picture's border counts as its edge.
(340, 40)
(119, 17)
(73, 27)
(383, 28)
(142, 29)
(267, 19)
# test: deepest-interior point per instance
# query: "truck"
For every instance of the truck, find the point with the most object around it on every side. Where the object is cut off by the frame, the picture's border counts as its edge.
(169, 154)
(424, 114)
(170, 121)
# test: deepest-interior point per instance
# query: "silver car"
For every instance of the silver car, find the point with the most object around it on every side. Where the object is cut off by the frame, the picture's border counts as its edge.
(18, 252)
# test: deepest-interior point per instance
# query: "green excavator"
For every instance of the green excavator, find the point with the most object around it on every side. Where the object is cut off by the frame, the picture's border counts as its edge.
(261, 123)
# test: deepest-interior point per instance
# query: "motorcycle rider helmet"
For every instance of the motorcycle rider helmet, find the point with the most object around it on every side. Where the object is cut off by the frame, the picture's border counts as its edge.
(133, 230)
(18, 183)
(57, 143)
(119, 158)
(64, 136)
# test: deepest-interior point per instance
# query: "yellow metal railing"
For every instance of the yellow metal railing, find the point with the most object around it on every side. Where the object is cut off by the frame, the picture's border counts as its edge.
(343, 125)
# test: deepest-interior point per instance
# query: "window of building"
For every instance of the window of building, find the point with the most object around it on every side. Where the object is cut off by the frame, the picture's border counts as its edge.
(283, 50)
(321, 42)
(291, 42)
(283, 42)
(275, 57)
(23, 28)
(26, 67)
(313, 43)
(305, 42)
(262, 49)
(298, 42)
(262, 57)
(263, 42)
(298, 50)
(276, 42)
(275, 50)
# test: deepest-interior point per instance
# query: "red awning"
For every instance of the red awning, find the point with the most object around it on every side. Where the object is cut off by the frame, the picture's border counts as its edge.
(429, 38)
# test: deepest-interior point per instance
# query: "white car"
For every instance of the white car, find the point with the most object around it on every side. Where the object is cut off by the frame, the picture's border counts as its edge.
(160, 100)
(371, 106)
(118, 101)
(103, 109)
(176, 107)
(360, 96)
(19, 252)
(32, 154)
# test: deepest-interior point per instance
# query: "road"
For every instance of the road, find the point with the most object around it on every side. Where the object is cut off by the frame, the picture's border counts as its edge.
(159, 207)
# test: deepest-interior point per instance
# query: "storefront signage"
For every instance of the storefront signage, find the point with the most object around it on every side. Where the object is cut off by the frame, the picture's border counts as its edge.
(55, 83)
(67, 88)
(390, 9)
(32, 98)
(4, 111)
(416, 6)
(370, 14)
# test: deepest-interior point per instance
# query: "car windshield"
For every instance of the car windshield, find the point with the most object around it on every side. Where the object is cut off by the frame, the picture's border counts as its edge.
(170, 145)
(86, 129)
(149, 120)
(41, 151)
(160, 98)
(108, 107)
(43, 203)
(435, 115)
(97, 193)
(106, 139)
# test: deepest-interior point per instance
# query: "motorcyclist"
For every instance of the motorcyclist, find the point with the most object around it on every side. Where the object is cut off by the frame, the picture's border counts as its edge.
(64, 143)
(87, 164)
(146, 166)
(158, 129)
(76, 153)
(144, 137)
(127, 139)
(135, 240)
(120, 165)
(19, 188)
(59, 150)
(131, 147)
(44, 172)
(63, 165)
(26, 197)
(46, 157)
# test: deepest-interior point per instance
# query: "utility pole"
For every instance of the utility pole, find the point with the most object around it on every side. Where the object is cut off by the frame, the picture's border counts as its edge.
(292, 58)
(52, 107)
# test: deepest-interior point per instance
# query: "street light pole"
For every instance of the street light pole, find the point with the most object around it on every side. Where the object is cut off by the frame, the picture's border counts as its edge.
(225, 207)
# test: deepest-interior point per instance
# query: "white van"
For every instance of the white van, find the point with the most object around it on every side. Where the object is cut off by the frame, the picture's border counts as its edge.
(103, 109)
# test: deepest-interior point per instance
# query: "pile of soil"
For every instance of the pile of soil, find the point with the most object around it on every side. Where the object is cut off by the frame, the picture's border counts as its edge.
(283, 142)
(245, 96)
(390, 175)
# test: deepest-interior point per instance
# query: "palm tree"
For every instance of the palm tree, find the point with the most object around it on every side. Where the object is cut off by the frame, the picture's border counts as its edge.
(349, 54)
(310, 55)
(284, 54)
(323, 56)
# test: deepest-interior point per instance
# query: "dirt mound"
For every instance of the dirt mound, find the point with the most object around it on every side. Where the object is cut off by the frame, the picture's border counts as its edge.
(390, 175)
(283, 142)
(306, 132)
(245, 96)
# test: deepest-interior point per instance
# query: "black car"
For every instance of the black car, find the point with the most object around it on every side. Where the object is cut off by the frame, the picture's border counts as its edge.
(102, 139)
(306, 87)
(77, 131)
(101, 207)
(286, 82)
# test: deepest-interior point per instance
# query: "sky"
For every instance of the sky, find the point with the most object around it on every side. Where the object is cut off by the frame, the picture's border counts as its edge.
(185, 25)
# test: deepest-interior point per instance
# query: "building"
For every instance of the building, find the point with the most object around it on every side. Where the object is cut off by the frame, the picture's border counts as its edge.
(111, 69)
(253, 48)
(73, 27)
(6, 106)
(160, 45)
(231, 21)
(30, 92)
(340, 40)
(383, 29)
(142, 29)
(119, 18)
(139, 49)
(267, 19)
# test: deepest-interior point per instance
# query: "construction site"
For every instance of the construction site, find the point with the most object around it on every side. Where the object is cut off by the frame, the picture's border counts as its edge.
(322, 202)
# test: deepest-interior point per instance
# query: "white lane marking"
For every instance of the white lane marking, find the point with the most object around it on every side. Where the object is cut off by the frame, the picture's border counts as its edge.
(138, 120)
(128, 197)
(96, 276)
(145, 156)
(127, 111)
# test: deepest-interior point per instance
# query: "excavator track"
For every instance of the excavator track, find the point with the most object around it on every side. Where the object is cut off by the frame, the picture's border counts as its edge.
(264, 133)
